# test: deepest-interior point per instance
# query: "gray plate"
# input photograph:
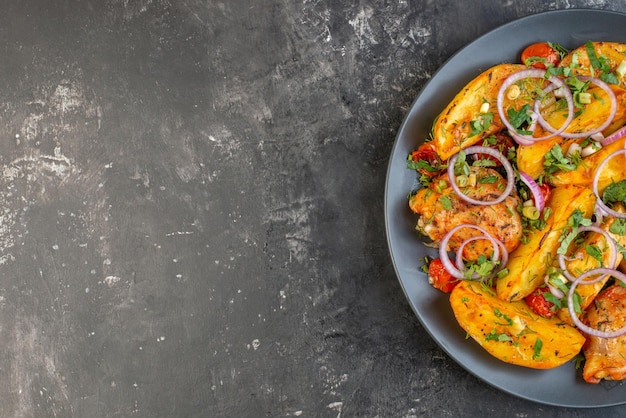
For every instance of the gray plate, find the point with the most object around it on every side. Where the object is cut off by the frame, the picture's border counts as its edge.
(562, 386)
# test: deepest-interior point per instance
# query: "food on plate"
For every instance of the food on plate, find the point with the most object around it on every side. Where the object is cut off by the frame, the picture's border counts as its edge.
(512, 332)
(441, 209)
(605, 358)
(523, 190)
(528, 264)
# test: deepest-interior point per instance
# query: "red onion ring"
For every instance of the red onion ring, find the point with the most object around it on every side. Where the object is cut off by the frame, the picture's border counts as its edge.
(602, 272)
(600, 128)
(610, 241)
(459, 254)
(443, 248)
(540, 201)
(596, 178)
(510, 175)
(617, 135)
(534, 73)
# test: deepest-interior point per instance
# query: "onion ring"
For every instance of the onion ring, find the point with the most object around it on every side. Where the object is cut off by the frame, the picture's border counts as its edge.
(615, 136)
(596, 179)
(594, 131)
(443, 248)
(534, 73)
(510, 175)
(612, 247)
(540, 202)
(570, 301)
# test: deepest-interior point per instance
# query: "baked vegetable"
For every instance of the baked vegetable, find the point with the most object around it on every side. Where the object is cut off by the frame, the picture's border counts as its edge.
(471, 116)
(529, 262)
(510, 331)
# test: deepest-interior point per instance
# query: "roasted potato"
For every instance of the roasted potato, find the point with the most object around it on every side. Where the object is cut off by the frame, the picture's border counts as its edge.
(452, 131)
(613, 52)
(528, 263)
(614, 170)
(582, 262)
(510, 331)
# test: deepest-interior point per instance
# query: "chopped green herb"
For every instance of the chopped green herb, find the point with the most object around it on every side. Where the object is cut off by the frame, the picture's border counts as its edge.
(446, 202)
(595, 252)
(481, 124)
(518, 118)
(615, 193)
(537, 349)
(494, 336)
(618, 227)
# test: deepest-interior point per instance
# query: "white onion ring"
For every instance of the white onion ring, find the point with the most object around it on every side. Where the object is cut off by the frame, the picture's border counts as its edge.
(596, 179)
(510, 175)
(600, 128)
(570, 301)
(540, 202)
(443, 248)
(534, 73)
(610, 241)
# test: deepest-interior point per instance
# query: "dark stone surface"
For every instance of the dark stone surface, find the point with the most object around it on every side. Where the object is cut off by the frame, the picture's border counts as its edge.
(191, 209)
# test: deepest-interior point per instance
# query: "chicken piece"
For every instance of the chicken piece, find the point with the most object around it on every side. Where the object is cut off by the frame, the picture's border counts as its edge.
(605, 358)
(441, 209)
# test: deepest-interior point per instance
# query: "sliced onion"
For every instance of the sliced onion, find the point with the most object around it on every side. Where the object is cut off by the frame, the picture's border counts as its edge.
(596, 179)
(540, 201)
(594, 131)
(601, 272)
(459, 254)
(609, 239)
(510, 175)
(558, 85)
(617, 135)
(443, 248)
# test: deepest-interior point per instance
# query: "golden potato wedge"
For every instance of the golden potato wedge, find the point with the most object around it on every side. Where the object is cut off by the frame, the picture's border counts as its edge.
(613, 52)
(530, 159)
(453, 127)
(582, 262)
(529, 262)
(510, 331)
(614, 170)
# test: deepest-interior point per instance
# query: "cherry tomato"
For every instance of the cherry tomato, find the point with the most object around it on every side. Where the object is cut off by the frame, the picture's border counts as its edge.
(439, 277)
(538, 302)
(540, 55)
(503, 142)
(426, 153)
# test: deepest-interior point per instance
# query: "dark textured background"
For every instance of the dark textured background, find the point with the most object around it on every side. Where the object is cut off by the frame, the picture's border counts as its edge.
(191, 198)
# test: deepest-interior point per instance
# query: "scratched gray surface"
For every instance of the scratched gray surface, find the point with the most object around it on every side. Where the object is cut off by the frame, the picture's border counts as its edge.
(191, 209)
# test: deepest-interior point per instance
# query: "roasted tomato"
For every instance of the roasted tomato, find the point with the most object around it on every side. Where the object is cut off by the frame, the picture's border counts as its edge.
(426, 161)
(540, 55)
(439, 277)
(538, 302)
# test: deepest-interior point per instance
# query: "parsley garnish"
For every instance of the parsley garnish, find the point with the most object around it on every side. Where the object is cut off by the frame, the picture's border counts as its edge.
(615, 192)
(537, 349)
(481, 124)
(494, 336)
(446, 202)
(595, 252)
(555, 160)
(601, 64)
(518, 118)
(618, 227)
